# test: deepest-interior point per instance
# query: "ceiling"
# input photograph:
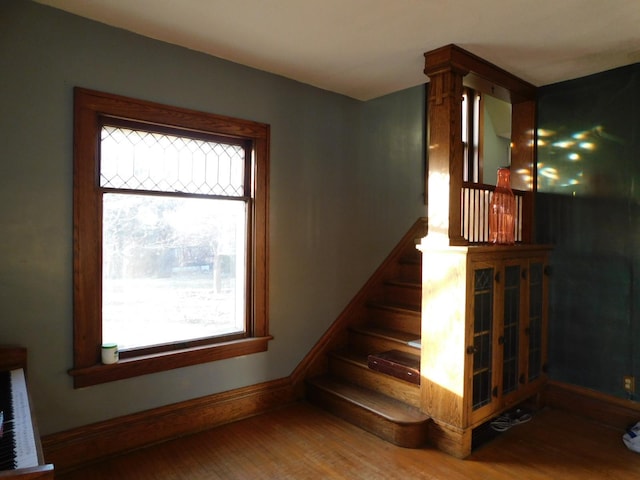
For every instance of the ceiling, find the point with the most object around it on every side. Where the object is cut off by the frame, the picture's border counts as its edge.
(368, 48)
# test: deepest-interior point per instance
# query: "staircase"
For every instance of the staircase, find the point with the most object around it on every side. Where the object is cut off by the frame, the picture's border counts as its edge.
(387, 318)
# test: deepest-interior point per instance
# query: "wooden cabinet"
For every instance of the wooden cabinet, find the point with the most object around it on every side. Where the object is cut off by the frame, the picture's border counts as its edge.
(484, 331)
(505, 320)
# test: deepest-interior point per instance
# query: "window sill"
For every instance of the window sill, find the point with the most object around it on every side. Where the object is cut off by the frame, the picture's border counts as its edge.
(133, 367)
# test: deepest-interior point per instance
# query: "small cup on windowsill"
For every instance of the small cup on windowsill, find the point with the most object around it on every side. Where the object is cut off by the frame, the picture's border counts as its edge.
(109, 353)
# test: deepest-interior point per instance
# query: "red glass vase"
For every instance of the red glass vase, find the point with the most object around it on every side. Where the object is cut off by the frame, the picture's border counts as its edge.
(502, 211)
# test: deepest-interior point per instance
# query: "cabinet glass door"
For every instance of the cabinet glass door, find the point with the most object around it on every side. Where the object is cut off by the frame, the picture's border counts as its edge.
(510, 338)
(483, 291)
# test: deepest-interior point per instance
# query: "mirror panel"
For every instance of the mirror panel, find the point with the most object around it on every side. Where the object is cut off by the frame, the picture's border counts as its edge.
(496, 137)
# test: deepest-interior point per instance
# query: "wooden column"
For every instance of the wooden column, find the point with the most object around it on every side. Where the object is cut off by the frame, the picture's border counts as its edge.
(445, 148)
(523, 159)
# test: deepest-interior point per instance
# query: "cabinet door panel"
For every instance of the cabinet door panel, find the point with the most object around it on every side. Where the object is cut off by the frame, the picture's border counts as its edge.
(483, 311)
(511, 329)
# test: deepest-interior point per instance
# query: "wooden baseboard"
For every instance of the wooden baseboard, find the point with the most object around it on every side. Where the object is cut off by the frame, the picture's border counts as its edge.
(87, 444)
(606, 409)
(451, 440)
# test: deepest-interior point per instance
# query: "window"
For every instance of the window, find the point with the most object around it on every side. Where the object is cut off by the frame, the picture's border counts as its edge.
(170, 236)
(472, 122)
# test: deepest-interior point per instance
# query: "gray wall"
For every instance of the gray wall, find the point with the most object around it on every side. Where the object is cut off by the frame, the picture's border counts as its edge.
(346, 184)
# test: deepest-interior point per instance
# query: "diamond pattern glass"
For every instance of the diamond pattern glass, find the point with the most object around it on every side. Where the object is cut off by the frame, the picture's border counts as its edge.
(150, 161)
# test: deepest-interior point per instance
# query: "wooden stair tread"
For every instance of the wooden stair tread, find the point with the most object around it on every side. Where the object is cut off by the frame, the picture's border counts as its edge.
(397, 307)
(350, 356)
(354, 357)
(386, 333)
(401, 282)
(377, 403)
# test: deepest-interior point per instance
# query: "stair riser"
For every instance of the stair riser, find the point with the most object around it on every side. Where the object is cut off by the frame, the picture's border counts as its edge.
(410, 271)
(406, 392)
(365, 344)
(403, 294)
(396, 320)
(408, 436)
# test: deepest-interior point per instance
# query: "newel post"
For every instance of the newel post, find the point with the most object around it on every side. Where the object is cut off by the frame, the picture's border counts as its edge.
(445, 147)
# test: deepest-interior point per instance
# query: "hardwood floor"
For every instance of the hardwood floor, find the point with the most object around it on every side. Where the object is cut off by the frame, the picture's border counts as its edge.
(304, 442)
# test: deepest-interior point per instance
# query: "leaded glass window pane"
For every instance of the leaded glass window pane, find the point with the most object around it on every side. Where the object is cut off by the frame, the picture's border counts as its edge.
(144, 160)
(482, 333)
(511, 328)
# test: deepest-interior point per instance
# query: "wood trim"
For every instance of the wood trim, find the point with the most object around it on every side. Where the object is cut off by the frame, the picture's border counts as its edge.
(449, 69)
(523, 158)
(524, 169)
(449, 439)
(315, 362)
(603, 408)
(159, 362)
(87, 444)
(464, 61)
(260, 259)
(446, 152)
(124, 107)
(89, 108)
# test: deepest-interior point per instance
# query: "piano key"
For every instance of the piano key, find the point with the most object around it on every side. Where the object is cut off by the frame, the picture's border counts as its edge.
(26, 454)
(20, 450)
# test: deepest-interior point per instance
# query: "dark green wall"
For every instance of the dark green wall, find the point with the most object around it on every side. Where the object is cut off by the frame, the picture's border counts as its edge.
(346, 184)
(589, 208)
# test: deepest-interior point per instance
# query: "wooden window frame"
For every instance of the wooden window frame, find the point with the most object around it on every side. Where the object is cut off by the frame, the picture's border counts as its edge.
(89, 109)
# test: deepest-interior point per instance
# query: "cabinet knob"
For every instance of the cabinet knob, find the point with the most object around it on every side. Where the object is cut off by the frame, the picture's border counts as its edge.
(497, 277)
(501, 340)
(494, 392)
(471, 349)
(523, 273)
(522, 379)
